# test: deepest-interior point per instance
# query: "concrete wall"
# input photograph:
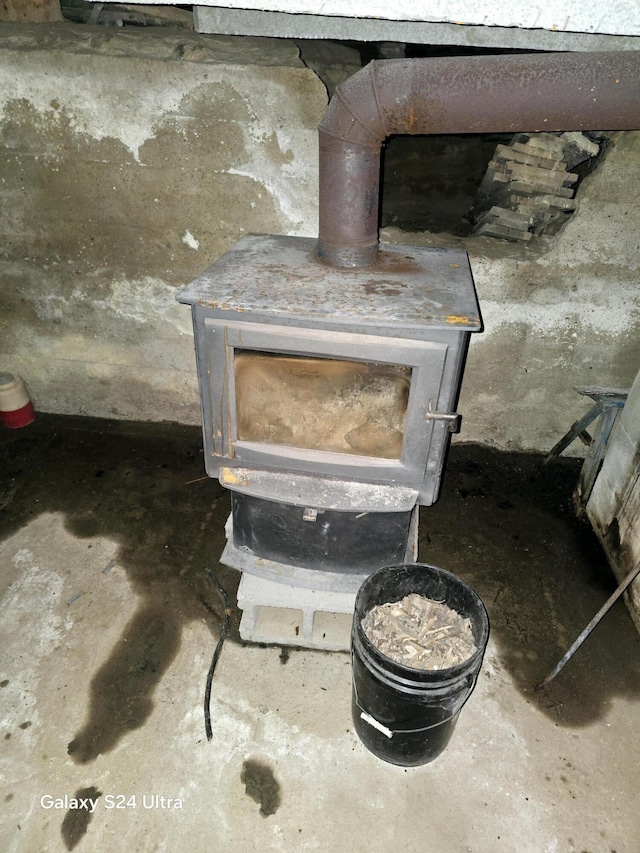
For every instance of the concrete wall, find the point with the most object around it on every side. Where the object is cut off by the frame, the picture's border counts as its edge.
(131, 160)
(557, 314)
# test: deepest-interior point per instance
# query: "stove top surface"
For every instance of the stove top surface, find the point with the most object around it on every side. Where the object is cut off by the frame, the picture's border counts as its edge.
(279, 279)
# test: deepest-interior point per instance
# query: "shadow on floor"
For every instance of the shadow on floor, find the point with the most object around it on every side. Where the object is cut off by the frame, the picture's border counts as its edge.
(141, 486)
(503, 523)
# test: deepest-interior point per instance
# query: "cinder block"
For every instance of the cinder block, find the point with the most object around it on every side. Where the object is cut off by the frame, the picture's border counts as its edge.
(291, 615)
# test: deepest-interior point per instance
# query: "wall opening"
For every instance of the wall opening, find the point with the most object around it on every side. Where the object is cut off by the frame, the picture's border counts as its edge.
(513, 187)
(429, 183)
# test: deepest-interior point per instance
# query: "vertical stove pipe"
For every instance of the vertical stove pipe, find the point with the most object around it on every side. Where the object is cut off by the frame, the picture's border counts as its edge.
(479, 94)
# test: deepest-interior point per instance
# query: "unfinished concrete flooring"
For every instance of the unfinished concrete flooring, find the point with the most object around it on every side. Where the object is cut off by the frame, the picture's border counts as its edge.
(108, 624)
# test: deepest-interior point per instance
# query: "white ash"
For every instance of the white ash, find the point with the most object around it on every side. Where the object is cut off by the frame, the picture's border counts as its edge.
(420, 632)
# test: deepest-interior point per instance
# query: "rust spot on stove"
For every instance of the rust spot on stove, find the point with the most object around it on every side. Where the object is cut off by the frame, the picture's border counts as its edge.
(459, 320)
(220, 306)
(229, 476)
(405, 124)
(395, 263)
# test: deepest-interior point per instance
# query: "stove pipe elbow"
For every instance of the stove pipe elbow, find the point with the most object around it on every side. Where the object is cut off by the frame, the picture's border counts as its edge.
(480, 94)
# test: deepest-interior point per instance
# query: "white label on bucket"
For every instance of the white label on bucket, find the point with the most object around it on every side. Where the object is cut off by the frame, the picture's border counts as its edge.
(376, 725)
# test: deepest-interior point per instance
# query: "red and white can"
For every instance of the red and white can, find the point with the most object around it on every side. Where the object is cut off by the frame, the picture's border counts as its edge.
(16, 409)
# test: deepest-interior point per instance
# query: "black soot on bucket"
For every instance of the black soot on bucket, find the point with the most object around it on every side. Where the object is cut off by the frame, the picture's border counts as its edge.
(402, 714)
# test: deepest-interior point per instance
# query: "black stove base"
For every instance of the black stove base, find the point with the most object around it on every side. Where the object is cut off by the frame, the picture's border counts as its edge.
(316, 532)
(316, 538)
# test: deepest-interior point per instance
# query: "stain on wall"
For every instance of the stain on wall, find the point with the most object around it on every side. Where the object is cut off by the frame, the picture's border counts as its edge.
(126, 171)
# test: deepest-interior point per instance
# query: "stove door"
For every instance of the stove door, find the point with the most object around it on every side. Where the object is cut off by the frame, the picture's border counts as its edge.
(333, 403)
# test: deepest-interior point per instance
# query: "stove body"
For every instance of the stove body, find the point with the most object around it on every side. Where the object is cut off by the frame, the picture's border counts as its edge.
(328, 399)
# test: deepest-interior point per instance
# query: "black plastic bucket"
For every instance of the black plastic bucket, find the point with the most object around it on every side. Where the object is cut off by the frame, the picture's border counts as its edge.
(402, 714)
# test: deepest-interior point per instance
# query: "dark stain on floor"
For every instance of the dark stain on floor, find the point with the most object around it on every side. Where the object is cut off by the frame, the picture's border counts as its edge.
(130, 483)
(503, 522)
(76, 821)
(285, 654)
(122, 689)
(261, 785)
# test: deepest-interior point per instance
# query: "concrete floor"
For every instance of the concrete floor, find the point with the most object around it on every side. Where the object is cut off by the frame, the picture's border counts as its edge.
(108, 624)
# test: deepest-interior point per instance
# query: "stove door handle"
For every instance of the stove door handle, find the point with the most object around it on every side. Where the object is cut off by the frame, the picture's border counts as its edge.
(452, 419)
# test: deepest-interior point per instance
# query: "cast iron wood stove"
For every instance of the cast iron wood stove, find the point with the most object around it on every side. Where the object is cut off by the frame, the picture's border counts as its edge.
(329, 370)
(328, 398)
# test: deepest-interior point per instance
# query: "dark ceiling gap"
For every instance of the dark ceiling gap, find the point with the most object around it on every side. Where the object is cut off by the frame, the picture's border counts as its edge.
(430, 183)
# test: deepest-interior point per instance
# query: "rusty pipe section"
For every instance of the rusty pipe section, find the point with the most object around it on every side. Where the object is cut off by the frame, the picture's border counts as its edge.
(479, 94)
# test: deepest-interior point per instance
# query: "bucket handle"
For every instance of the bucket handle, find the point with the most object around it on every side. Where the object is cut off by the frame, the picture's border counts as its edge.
(364, 715)
(387, 732)
(373, 722)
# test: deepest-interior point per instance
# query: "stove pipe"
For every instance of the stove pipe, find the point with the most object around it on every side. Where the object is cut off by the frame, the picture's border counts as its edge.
(470, 94)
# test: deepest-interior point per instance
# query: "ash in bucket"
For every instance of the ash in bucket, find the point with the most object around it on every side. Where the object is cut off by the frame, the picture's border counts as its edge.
(420, 632)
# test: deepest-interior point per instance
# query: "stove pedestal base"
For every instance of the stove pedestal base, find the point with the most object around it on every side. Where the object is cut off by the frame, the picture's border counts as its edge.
(294, 576)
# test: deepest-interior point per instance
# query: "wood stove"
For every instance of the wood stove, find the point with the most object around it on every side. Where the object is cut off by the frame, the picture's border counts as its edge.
(328, 399)
(329, 370)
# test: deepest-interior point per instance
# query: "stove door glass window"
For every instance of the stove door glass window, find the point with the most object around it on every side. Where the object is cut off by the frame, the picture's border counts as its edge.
(321, 403)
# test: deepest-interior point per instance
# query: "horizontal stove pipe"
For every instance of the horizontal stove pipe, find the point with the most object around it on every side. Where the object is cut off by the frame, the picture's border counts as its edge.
(478, 94)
